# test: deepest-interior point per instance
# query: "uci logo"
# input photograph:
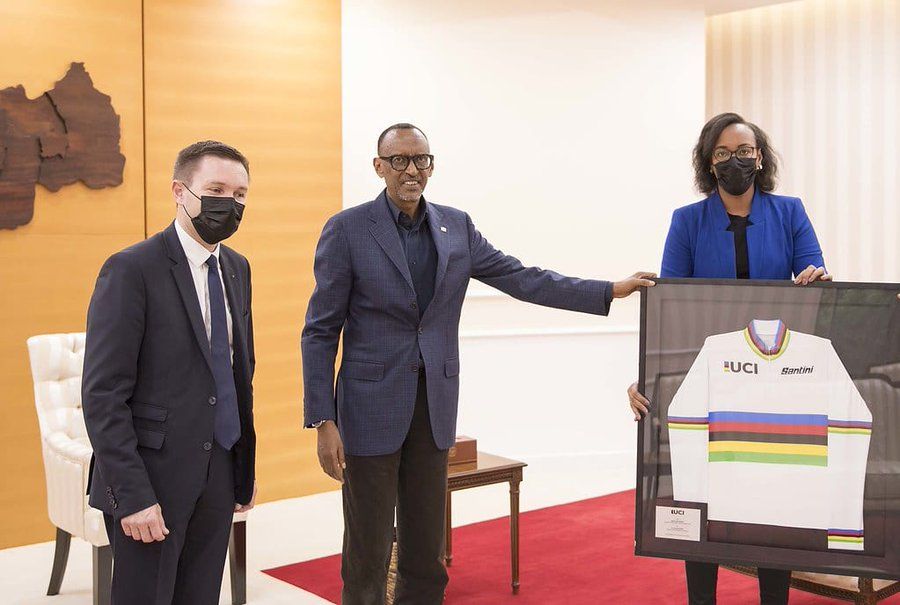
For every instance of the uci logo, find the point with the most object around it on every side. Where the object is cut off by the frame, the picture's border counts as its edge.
(677, 511)
(736, 367)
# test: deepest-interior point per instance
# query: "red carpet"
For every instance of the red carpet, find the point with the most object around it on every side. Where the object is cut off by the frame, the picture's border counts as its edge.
(574, 554)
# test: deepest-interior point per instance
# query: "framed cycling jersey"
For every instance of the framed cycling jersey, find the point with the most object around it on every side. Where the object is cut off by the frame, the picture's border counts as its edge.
(774, 429)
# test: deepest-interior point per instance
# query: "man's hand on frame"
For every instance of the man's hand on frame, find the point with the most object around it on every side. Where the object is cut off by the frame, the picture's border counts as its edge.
(629, 285)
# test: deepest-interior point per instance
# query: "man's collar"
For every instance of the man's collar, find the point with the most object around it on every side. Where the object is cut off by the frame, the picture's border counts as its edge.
(196, 254)
(395, 211)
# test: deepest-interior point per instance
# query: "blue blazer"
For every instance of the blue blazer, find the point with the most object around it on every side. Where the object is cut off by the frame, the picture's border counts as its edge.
(781, 241)
(364, 289)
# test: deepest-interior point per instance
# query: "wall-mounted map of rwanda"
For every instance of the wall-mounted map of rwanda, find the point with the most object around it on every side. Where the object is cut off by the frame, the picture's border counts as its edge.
(68, 134)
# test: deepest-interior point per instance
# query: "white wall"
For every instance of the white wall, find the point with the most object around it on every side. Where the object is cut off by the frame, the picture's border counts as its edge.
(565, 129)
(822, 77)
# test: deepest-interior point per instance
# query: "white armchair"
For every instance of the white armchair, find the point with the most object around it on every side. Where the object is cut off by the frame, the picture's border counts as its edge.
(56, 366)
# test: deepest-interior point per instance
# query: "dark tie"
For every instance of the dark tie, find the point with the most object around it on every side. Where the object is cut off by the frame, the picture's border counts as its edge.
(228, 422)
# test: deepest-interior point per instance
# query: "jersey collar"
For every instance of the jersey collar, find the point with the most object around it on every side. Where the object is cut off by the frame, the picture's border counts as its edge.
(782, 338)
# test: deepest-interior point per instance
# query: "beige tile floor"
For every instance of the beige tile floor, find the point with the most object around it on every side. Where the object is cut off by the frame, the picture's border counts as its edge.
(300, 529)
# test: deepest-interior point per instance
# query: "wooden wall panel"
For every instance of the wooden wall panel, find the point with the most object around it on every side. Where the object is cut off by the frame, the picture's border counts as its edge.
(264, 77)
(48, 267)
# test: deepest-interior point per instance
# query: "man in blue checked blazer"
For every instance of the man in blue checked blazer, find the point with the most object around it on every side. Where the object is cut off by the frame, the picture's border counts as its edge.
(392, 275)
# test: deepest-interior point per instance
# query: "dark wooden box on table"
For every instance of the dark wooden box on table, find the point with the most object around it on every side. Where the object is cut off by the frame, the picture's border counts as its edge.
(464, 453)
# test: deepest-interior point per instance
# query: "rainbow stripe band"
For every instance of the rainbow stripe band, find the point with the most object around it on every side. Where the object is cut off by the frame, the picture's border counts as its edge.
(771, 429)
(688, 423)
(768, 458)
(846, 533)
(801, 449)
(689, 419)
(770, 418)
(847, 539)
(849, 427)
(850, 424)
(768, 438)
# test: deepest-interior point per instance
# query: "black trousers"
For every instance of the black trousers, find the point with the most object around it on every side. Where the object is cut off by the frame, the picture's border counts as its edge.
(774, 584)
(186, 568)
(414, 480)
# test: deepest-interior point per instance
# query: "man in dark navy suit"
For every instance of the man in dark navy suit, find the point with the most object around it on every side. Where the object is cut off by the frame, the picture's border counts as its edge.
(392, 275)
(167, 390)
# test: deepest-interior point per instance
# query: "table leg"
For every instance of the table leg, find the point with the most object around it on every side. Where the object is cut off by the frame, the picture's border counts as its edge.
(514, 528)
(448, 533)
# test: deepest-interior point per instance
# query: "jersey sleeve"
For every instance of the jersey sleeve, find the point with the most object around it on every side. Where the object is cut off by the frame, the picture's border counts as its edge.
(849, 433)
(688, 422)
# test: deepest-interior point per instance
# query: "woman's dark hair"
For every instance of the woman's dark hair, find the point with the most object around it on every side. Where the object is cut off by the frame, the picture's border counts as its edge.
(705, 180)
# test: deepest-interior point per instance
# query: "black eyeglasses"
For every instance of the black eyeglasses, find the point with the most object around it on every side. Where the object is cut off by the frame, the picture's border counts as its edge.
(399, 163)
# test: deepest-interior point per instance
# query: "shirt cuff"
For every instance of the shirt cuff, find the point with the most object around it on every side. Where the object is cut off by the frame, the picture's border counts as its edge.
(312, 425)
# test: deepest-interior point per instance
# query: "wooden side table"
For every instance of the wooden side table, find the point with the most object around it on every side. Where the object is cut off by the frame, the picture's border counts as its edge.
(489, 470)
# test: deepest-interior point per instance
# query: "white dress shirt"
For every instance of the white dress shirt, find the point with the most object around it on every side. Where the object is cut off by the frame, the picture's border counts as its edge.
(197, 256)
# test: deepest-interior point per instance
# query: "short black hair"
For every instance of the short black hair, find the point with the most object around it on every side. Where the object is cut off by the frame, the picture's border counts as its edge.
(400, 126)
(766, 177)
(188, 157)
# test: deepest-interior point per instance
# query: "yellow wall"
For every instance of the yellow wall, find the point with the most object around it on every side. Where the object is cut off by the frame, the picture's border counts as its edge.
(48, 267)
(263, 76)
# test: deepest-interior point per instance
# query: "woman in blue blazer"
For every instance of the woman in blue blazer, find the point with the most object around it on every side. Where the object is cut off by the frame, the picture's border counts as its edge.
(735, 166)
(741, 230)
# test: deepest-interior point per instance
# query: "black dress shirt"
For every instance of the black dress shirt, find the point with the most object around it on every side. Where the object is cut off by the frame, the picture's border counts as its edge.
(421, 254)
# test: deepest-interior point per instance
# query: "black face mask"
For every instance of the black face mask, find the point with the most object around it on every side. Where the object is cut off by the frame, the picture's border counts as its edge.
(219, 217)
(736, 175)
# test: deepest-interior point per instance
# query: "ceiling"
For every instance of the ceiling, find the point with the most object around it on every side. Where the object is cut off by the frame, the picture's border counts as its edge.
(717, 7)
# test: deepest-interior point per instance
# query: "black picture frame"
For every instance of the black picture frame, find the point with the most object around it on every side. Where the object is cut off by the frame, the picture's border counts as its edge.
(856, 564)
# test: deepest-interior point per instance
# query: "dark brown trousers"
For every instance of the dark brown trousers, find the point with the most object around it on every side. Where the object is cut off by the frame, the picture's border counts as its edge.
(413, 481)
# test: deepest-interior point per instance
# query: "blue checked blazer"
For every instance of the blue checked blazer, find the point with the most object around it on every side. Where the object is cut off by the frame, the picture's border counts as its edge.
(364, 289)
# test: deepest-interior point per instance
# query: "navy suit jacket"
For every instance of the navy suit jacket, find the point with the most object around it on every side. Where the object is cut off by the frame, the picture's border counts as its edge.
(363, 288)
(148, 383)
(780, 242)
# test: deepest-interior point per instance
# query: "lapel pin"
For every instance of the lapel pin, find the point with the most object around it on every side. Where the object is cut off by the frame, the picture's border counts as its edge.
(444, 229)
